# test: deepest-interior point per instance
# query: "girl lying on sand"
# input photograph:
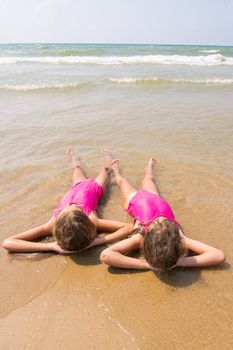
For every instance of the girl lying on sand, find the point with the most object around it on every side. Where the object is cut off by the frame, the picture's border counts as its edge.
(74, 222)
(156, 232)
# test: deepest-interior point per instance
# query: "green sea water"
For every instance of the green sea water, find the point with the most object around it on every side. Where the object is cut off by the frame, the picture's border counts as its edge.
(51, 66)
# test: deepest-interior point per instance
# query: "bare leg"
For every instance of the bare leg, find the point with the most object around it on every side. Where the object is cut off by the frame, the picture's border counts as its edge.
(78, 172)
(127, 190)
(103, 176)
(148, 183)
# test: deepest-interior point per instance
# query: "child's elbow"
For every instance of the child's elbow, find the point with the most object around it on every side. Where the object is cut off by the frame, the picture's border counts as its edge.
(220, 257)
(7, 244)
(105, 256)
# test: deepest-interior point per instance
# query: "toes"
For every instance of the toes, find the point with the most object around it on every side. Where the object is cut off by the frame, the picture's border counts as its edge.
(105, 151)
(152, 160)
(115, 162)
(70, 151)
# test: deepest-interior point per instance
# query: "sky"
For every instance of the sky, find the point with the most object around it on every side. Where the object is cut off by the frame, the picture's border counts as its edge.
(203, 22)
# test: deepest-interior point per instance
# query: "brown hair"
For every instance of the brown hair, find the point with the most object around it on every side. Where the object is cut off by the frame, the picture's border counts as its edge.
(74, 230)
(137, 230)
(162, 244)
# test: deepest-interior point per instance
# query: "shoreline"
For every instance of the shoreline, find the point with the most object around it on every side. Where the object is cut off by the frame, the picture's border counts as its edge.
(102, 307)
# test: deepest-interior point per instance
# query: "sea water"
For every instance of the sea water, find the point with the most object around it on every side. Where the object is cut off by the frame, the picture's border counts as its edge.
(171, 102)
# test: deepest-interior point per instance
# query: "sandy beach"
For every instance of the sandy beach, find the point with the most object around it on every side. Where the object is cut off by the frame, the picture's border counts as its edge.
(74, 302)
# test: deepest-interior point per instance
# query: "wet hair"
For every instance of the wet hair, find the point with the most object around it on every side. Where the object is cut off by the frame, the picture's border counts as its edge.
(162, 244)
(137, 230)
(74, 230)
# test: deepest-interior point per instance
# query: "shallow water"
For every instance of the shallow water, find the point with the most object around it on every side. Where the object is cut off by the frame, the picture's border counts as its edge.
(184, 119)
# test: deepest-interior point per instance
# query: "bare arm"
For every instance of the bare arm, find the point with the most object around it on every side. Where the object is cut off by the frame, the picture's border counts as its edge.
(206, 255)
(24, 242)
(114, 255)
(119, 231)
(110, 225)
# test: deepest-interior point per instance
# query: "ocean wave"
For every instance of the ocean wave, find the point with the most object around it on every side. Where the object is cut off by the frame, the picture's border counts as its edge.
(157, 80)
(210, 51)
(33, 87)
(43, 46)
(134, 80)
(69, 52)
(209, 60)
(76, 53)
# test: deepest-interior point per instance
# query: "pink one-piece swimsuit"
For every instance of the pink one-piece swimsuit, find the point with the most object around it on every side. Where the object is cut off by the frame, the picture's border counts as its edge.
(85, 194)
(146, 207)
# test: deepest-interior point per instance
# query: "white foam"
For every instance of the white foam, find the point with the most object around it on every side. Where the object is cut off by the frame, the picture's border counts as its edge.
(210, 51)
(131, 80)
(208, 60)
(214, 81)
(31, 87)
(206, 81)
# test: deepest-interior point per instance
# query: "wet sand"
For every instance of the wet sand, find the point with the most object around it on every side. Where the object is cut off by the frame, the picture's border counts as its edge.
(61, 302)
(50, 301)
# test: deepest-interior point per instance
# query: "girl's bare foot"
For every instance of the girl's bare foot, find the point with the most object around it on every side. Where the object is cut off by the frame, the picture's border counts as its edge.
(150, 168)
(115, 167)
(151, 163)
(109, 160)
(76, 160)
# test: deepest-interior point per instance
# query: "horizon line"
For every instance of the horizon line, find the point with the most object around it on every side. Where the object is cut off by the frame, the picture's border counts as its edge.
(108, 43)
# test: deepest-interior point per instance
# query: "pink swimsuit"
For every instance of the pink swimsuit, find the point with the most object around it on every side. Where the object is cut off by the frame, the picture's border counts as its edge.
(146, 207)
(85, 194)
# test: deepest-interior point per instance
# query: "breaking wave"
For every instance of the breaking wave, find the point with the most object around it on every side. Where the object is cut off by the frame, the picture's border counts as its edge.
(34, 87)
(156, 80)
(210, 51)
(208, 60)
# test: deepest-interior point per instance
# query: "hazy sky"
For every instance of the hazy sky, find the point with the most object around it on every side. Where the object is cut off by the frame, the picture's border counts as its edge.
(117, 21)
